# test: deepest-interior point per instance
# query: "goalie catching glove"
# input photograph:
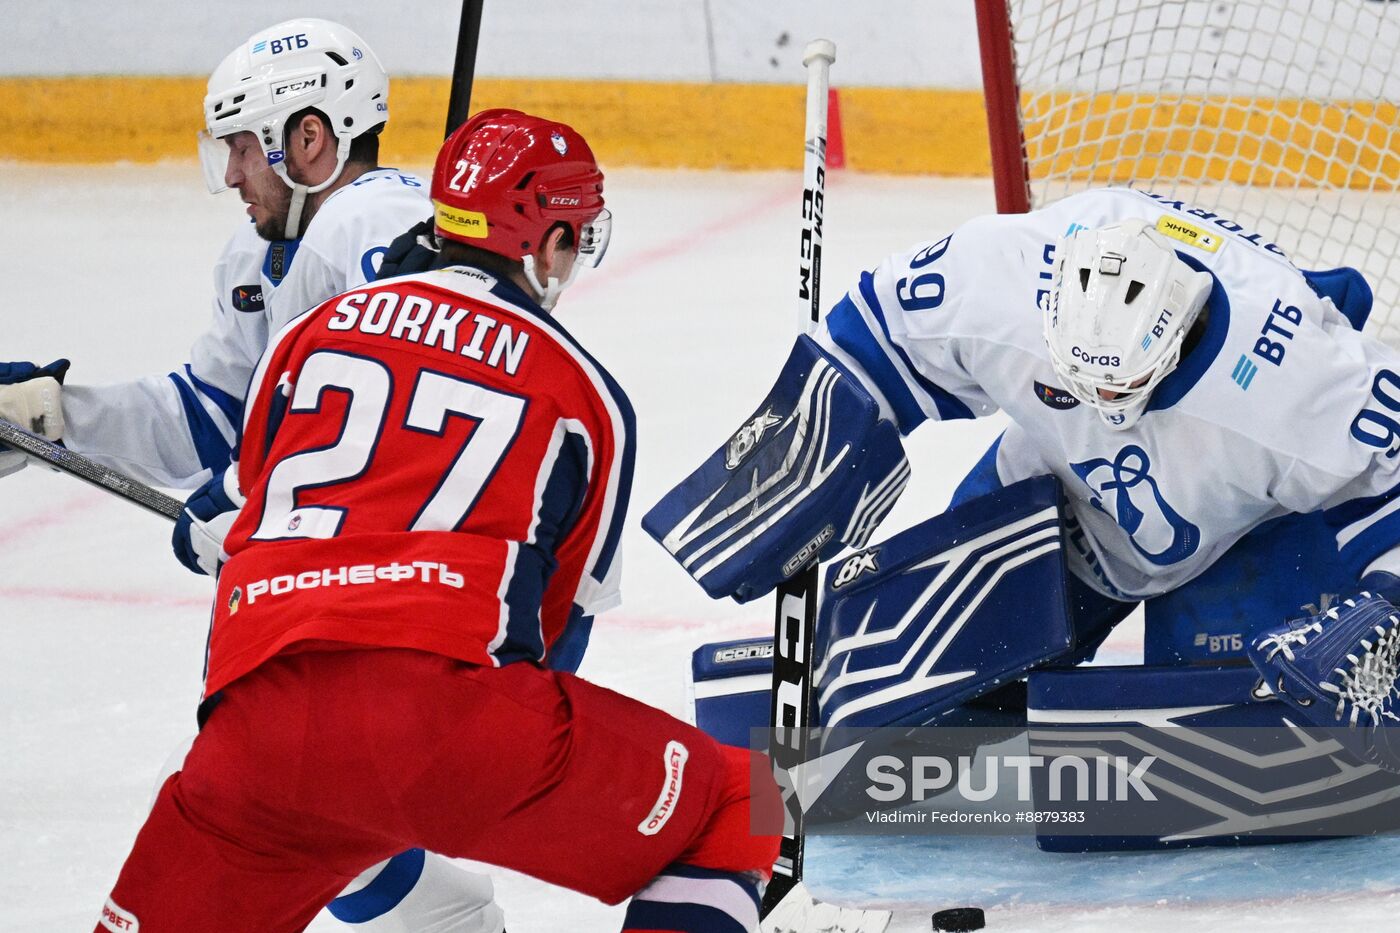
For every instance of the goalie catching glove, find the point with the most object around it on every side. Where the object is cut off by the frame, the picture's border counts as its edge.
(813, 470)
(1341, 668)
(31, 397)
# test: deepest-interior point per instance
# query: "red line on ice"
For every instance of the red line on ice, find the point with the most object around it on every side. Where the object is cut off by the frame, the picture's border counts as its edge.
(110, 598)
(685, 242)
(64, 511)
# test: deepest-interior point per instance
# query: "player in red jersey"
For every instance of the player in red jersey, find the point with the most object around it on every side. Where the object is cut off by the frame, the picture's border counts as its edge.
(436, 477)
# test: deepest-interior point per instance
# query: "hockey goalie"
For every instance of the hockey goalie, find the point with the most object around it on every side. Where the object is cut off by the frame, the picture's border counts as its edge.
(1196, 426)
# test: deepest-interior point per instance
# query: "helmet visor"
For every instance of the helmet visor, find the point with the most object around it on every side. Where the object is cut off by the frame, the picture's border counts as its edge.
(594, 238)
(213, 161)
(215, 154)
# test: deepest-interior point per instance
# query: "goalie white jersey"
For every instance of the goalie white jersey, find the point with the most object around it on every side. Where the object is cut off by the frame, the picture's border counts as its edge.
(178, 429)
(1279, 407)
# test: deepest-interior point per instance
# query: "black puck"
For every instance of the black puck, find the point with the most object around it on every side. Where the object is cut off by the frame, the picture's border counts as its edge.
(958, 919)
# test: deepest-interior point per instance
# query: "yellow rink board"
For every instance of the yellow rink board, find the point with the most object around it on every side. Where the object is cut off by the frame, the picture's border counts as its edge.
(754, 126)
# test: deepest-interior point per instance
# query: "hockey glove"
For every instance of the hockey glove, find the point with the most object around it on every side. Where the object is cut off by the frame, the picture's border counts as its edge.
(813, 470)
(30, 396)
(412, 251)
(1340, 668)
(200, 530)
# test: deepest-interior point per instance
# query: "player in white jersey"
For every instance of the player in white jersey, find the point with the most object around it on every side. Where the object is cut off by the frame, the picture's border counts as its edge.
(322, 214)
(1207, 408)
(1258, 400)
(292, 117)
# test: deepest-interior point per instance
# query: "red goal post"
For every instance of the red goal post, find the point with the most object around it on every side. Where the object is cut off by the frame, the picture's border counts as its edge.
(1280, 114)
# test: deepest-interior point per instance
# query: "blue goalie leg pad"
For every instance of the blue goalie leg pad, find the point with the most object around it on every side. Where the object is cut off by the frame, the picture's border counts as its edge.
(731, 686)
(1231, 765)
(813, 470)
(945, 611)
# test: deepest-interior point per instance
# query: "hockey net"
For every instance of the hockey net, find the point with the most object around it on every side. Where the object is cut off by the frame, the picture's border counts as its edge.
(1278, 114)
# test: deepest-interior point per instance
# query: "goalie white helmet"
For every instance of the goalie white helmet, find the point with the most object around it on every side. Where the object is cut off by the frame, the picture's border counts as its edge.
(280, 71)
(1120, 307)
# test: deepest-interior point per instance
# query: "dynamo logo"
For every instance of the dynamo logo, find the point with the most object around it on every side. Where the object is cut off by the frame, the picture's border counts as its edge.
(1126, 490)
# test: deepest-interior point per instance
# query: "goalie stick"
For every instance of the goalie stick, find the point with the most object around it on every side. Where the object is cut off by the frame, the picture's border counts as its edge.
(74, 464)
(787, 905)
(794, 623)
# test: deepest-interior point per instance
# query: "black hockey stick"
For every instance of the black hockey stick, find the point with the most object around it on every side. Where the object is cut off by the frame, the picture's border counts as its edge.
(464, 65)
(794, 624)
(74, 464)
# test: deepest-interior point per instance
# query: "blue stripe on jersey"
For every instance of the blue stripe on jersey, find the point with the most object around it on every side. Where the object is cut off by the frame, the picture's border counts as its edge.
(523, 597)
(948, 405)
(393, 883)
(679, 918)
(560, 502)
(1194, 364)
(276, 412)
(566, 654)
(613, 536)
(564, 492)
(851, 334)
(225, 402)
(213, 450)
(627, 454)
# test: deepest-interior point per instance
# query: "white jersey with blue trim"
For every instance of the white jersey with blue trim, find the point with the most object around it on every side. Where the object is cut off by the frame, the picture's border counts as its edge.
(1279, 407)
(178, 429)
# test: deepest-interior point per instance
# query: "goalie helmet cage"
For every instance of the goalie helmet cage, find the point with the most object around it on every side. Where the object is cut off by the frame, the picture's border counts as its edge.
(1277, 114)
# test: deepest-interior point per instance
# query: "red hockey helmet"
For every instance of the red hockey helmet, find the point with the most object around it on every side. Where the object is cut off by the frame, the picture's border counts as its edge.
(504, 178)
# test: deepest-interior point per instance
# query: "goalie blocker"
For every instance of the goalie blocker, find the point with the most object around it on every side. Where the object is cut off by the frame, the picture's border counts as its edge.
(812, 470)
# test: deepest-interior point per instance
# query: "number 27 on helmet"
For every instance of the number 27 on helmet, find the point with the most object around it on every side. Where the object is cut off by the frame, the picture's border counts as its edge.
(505, 179)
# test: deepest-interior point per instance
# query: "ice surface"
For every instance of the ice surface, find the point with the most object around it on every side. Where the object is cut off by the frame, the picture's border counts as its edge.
(693, 312)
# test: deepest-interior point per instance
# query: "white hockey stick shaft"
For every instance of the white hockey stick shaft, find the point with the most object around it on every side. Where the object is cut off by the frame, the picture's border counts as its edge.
(817, 59)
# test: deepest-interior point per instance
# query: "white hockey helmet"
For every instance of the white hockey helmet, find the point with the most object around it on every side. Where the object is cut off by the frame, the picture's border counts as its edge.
(282, 70)
(1121, 305)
